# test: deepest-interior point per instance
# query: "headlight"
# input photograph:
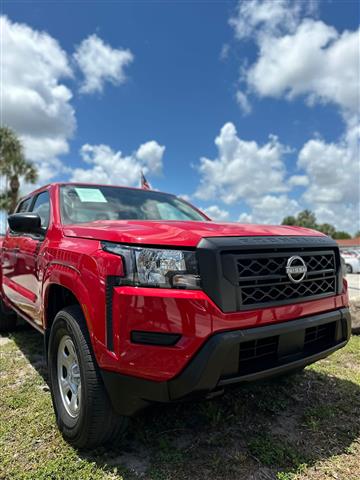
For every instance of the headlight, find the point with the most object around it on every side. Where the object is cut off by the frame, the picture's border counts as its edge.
(154, 267)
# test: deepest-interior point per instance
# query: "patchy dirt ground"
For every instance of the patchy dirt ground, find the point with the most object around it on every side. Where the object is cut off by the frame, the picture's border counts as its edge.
(302, 427)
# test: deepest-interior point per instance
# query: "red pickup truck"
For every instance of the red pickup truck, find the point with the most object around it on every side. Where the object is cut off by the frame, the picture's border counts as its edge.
(142, 298)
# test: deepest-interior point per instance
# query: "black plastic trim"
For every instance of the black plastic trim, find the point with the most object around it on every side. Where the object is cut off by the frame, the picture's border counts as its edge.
(225, 292)
(110, 283)
(154, 338)
(205, 371)
(269, 241)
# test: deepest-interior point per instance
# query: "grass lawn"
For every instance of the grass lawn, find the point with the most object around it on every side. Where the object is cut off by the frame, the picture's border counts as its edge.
(303, 427)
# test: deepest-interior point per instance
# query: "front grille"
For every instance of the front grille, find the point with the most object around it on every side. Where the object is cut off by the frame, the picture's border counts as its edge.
(287, 291)
(252, 266)
(256, 353)
(262, 278)
(319, 337)
(244, 273)
(269, 352)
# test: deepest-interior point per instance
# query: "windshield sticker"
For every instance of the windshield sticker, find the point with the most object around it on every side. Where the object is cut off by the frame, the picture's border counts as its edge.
(91, 195)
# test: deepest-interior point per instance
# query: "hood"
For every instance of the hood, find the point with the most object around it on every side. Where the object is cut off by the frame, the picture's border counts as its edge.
(174, 233)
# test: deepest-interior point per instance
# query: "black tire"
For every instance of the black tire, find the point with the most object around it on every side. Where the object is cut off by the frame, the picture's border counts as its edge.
(96, 422)
(8, 319)
(348, 268)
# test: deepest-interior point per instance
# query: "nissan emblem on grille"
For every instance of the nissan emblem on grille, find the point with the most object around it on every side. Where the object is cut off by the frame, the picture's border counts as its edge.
(296, 269)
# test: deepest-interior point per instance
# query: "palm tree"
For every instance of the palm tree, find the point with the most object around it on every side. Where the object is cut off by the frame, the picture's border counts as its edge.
(13, 167)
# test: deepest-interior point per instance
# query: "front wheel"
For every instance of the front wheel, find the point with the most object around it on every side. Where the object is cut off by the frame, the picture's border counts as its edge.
(83, 411)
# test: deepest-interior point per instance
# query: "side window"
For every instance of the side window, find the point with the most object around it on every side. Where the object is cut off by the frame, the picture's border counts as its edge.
(24, 205)
(42, 208)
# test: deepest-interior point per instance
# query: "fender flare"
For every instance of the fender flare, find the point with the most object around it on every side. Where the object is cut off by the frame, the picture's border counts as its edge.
(68, 277)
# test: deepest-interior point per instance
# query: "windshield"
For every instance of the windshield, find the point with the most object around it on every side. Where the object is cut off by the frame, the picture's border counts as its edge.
(81, 204)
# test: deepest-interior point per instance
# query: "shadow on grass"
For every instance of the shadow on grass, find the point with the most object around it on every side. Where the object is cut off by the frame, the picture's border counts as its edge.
(266, 430)
(31, 344)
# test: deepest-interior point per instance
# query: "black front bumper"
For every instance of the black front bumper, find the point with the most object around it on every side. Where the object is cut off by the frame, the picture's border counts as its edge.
(237, 356)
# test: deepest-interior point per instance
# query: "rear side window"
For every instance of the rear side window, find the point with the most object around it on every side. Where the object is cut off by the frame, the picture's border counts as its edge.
(24, 205)
(42, 208)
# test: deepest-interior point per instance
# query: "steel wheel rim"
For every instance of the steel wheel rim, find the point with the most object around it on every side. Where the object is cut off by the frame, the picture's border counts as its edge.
(68, 373)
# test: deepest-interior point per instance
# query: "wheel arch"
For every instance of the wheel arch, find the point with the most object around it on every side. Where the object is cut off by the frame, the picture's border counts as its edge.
(57, 297)
(63, 287)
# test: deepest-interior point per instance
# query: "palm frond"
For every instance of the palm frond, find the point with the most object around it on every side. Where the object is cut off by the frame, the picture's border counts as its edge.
(5, 201)
(13, 163)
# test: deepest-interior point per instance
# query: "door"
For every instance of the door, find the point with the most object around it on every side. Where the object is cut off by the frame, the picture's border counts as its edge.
(34, 252)
(10, 257)
(26, 279)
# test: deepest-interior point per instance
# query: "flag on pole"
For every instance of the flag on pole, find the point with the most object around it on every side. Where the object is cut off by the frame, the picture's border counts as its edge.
(144, 183)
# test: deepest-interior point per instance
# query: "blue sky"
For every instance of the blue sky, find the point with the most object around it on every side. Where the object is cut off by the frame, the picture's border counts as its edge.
(179, 89)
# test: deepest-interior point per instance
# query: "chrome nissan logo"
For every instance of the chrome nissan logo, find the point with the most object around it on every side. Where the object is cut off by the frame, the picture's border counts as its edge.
(296, 269)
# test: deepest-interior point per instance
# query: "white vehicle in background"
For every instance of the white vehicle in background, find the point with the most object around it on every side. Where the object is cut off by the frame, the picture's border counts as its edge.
(352, 262)
(355, 253)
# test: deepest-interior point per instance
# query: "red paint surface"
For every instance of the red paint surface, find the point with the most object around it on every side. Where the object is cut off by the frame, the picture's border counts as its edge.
(180, 234)
(194, 316)
(14, 288)
(71, 256)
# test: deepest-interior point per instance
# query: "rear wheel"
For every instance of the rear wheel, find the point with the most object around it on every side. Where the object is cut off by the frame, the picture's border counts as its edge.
(83, 411)
(7, 318)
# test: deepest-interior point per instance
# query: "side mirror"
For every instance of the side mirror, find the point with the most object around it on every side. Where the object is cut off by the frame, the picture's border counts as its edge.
(26, 222)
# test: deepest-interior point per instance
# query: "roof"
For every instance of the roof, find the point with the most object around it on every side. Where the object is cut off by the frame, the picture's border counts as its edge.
(349, 242)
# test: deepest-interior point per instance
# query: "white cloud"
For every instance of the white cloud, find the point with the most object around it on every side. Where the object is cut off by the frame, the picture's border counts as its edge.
(314, 61)
(301, 56)
(246, 218)
(110, 167)
(333, 170)
(243, 102)
(242, 169)
(270, 209)
(101, 63)
(150, 154)
(298, 181)
(216, 213)
(185, 197)
(344, 217)
(331, 180)
(34, 102)
(298, 55)
(224, 53)
(270, 17)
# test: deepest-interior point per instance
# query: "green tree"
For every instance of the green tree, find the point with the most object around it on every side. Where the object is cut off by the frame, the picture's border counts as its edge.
(306, 219)
(14, 168)
(341, 235)
(328, 229)
(290, 220)
(357, 234)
